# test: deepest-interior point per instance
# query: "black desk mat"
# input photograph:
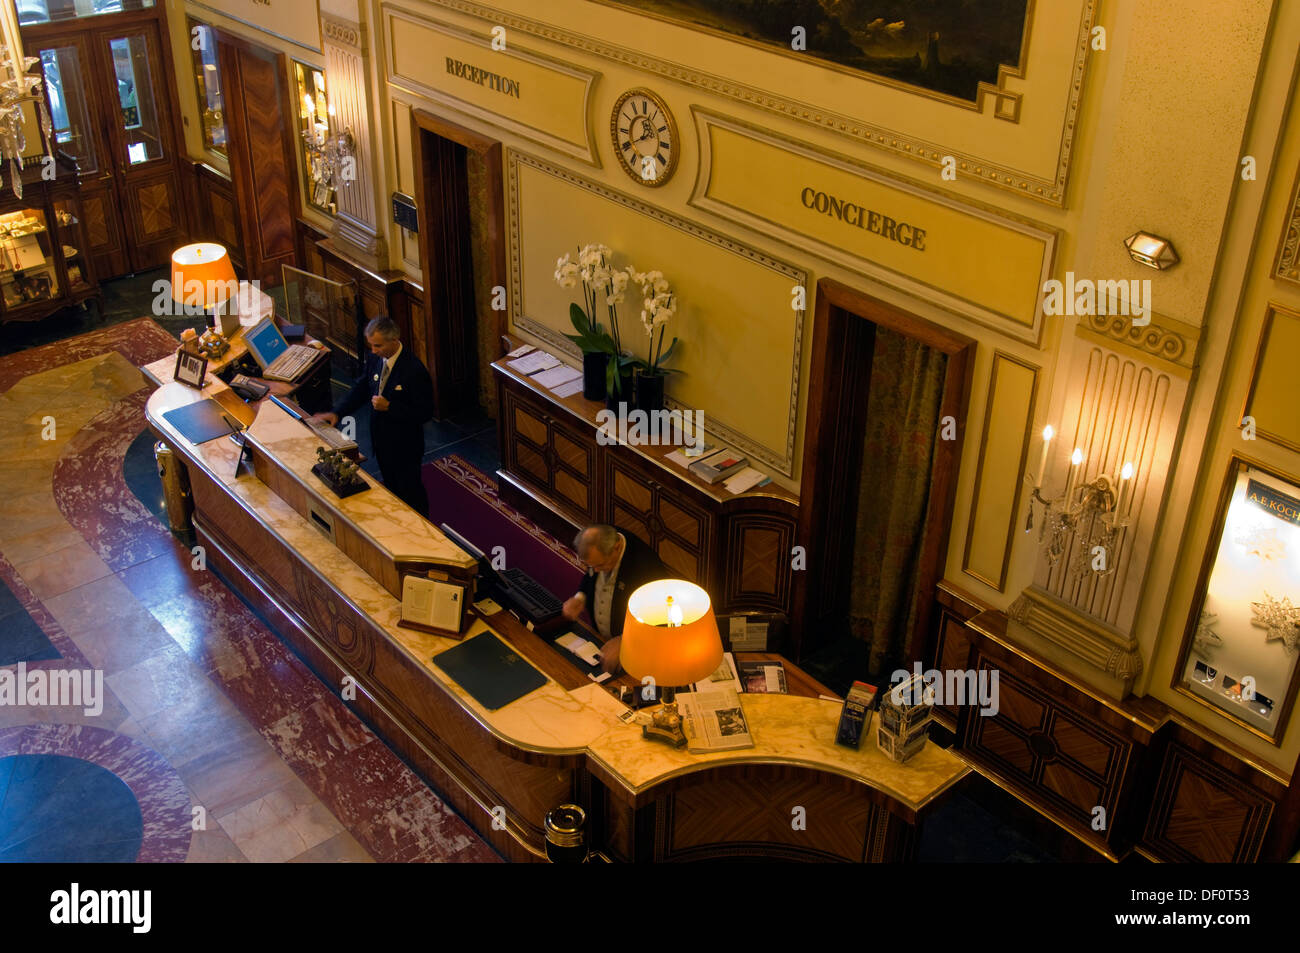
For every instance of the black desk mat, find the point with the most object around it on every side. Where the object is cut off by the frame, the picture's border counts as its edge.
(492, 672)
(201, 421)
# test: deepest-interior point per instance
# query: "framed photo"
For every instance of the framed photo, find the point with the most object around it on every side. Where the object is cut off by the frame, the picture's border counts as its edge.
(1242, 643)
(191, 368)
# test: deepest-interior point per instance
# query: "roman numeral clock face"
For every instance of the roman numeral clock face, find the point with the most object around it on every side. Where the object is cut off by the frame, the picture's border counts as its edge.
(645, 137)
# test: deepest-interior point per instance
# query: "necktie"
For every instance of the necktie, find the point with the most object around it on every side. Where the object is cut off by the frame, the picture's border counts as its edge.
(383, 376)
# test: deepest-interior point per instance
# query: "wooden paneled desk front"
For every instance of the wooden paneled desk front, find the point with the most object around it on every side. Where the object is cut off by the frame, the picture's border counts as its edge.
(327, 573)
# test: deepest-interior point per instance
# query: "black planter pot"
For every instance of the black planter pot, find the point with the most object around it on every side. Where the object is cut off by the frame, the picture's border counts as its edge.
(650, 392)
(594, 366)
(625, 393)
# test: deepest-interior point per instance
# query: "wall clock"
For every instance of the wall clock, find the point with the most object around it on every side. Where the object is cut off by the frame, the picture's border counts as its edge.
(645, 137)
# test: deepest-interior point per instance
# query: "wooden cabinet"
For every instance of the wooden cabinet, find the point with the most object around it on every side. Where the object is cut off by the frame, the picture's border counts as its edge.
(557, 459)
(556, 471)
(663, 513)
(1121, 776)
(44, 261)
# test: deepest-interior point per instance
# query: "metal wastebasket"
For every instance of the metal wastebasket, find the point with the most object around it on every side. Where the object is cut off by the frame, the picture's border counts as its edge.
(176, 488)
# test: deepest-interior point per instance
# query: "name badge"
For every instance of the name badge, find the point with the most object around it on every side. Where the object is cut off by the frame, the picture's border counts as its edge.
(376, 377)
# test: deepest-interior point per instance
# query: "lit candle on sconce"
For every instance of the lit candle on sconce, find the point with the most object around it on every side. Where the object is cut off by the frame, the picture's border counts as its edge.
(1125, 490)
(1048, 434)
(1076, 459)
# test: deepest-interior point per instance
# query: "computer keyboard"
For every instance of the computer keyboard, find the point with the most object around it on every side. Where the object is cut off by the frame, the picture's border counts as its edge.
(332, 436)
(290, 363)
(530, 597)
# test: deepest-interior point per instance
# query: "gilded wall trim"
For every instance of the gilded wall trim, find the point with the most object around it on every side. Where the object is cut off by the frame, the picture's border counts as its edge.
(1050, 191)
(1006, 103)
(1028, 329)
(262, 27)
(1288, 252)
(780, 458)
(584, 150)
(1170, 342)
(343, 32)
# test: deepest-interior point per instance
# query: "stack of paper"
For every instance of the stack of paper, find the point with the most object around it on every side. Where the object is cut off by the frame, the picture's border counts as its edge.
(557, 376)
(532, 363)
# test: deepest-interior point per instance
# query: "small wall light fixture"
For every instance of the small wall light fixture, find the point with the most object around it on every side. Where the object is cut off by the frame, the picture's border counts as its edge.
(1151, 250)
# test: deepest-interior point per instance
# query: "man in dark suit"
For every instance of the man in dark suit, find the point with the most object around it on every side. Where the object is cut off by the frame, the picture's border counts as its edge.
(617, 565)
(399, 391)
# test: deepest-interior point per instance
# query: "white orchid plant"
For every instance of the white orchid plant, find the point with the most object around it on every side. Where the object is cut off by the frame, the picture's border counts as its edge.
(659, 304)
(594, 269)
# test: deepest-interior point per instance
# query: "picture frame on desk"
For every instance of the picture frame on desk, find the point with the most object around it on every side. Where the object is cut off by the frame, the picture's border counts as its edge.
(191, 368)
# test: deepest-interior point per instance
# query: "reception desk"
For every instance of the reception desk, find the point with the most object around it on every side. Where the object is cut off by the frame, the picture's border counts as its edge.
(326, 572)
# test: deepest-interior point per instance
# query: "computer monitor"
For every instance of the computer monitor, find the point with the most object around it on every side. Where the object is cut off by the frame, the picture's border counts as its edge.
(265, 342)
(484, 564)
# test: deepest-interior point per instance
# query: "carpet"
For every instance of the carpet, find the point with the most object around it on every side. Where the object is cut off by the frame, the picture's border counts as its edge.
(465, 498)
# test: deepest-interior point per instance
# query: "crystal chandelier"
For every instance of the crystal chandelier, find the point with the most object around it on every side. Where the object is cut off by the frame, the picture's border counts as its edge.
(17, 88)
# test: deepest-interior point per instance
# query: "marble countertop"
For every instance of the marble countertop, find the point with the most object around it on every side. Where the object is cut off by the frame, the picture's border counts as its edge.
(787, 729)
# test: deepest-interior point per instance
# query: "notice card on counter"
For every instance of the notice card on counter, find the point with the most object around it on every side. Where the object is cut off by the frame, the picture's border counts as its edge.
(532, 363)
(521, 350)
(744, 480)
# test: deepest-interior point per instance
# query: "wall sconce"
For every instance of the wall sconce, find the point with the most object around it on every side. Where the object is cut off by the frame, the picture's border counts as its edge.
(1095, 513)
(1151, 250)
(327, 155)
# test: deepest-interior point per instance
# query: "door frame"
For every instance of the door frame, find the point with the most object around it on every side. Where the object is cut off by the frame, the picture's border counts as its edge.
(843, 331)
(429, 337)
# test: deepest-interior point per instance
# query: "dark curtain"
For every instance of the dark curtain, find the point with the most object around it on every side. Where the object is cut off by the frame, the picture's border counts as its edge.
(898, 447)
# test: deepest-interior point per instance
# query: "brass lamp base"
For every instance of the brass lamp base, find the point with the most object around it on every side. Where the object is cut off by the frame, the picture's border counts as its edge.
(666, 725)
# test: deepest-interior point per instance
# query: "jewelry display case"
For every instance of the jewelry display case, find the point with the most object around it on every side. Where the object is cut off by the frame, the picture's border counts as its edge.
(1242, 641)
(43, 262)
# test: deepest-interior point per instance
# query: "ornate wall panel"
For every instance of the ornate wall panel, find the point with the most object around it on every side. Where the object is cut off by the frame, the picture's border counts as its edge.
(1272, 398)
(996, 499)
(1019, 138)
(971, 259)
(552, 211)
(539, 98)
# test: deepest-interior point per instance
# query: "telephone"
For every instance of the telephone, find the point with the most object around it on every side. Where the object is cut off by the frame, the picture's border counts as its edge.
(247, 388)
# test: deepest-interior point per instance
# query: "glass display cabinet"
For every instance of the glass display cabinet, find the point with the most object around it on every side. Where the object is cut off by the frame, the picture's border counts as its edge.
(1242, 641)
(44, 266)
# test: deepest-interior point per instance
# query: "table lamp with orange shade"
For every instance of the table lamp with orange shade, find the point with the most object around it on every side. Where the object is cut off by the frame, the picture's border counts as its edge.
(670, 636)
(203, 276)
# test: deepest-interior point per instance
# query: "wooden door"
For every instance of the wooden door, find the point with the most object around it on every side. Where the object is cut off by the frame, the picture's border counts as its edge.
(109, 84)
(139, 124)
(260, 144)
(446, 339)
(68, 63)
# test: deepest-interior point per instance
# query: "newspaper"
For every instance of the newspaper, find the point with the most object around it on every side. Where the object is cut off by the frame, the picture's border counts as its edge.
(714, 720)
(724, 676)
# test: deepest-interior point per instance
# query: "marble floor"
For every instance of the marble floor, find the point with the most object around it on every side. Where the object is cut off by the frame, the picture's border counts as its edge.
(214, 742)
